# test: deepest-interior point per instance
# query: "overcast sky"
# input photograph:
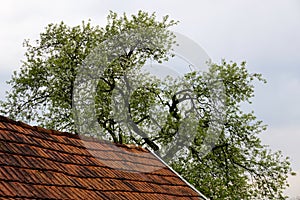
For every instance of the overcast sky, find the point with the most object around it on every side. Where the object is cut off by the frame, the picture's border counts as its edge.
(266, 34)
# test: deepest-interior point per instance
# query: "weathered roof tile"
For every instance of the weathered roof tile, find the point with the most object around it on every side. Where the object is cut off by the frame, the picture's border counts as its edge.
(36, 163)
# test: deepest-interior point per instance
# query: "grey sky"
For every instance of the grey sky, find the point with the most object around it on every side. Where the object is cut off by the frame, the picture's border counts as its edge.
(264, 33)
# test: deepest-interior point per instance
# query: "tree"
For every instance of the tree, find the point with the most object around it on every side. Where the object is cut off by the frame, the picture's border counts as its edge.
(239, 166)
(42, 90)
(54, 88)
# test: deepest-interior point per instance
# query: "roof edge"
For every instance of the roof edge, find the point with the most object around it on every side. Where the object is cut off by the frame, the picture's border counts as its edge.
(185, 181)
(68, 134)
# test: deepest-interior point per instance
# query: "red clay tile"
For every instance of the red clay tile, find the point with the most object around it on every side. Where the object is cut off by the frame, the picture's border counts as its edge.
(36, 163)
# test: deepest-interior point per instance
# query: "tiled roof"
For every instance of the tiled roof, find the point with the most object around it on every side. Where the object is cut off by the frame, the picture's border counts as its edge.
(37, 163)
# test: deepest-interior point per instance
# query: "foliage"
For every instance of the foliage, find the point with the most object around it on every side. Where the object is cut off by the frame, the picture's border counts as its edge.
(239, 166)
(134, 107)
(42, 90)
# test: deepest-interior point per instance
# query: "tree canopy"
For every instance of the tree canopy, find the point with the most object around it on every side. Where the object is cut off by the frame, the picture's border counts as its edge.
(174, 117)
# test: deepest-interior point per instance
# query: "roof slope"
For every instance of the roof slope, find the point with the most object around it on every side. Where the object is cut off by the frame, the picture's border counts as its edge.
(37, 163)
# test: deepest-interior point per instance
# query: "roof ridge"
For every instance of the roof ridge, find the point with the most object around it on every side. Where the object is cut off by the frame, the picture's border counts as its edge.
(67, 134)
(36, 128)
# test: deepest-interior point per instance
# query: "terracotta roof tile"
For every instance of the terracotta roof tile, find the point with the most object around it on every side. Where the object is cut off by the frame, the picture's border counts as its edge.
(36, 163)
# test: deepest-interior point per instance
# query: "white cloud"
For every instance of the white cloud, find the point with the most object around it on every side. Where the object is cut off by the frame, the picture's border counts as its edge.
(294, 181)
(285, 138)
